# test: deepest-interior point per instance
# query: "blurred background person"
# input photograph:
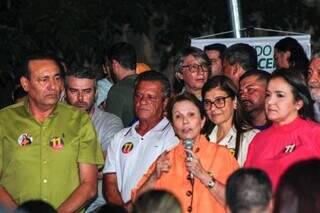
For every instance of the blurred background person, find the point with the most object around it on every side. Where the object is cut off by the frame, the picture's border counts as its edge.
(192, 69)
(289, 54)
(157, 201)
(293, 135)
(252, 95)
(299, 188)
(249, 191)
(230, 126)
(314, 84)
(122, 63)
(215, 53)
(238, 59)
(104, 83)
(197, 178)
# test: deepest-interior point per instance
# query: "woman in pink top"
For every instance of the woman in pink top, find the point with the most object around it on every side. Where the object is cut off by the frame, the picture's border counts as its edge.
(293, 135)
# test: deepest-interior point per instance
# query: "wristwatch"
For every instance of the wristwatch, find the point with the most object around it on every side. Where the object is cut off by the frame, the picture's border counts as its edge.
(211, 182)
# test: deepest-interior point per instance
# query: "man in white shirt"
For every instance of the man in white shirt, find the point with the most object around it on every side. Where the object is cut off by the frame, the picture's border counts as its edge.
(135, 148)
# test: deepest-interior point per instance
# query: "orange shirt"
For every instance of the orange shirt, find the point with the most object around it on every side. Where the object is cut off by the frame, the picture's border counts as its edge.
(214, 158)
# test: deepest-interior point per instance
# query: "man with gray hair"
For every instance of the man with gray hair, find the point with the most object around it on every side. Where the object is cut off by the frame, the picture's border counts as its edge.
(249, 191)
(238, 59)
(314, 84)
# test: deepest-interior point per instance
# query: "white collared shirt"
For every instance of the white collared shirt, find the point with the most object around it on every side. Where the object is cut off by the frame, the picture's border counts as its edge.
(229, 141)
(130, 154)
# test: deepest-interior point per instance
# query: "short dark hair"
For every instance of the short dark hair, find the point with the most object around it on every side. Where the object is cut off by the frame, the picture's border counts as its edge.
(185, 97)
(81, 72)
(195, 52)
(261, 74)
(242, 54)
(36, 206)
(299, 90)
(40, 56)
(109, 207)
(248, 189)
(124, 53)
(298, 188)
(155, 76)
(217, 47)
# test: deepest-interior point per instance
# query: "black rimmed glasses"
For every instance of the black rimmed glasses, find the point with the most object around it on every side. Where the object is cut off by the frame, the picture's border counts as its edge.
(193, 68)
(219, 102)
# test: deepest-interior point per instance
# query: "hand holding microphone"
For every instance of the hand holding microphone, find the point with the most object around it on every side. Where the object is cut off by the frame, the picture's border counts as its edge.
(188, 144)
(193, 163)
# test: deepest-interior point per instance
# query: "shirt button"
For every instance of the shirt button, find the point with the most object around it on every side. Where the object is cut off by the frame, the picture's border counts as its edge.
(189, 209)
(45, 162)
(189, 193)
(45, 181)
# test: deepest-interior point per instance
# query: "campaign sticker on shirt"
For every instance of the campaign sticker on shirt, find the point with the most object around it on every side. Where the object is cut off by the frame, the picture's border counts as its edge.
(25, 139)
(127, 147)
(289, 148)
(56, 143)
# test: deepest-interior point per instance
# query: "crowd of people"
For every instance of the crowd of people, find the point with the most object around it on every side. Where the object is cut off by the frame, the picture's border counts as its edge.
(227, 137)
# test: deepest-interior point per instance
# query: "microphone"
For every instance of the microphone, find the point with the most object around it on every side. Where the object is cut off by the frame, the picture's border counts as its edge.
(188, 144)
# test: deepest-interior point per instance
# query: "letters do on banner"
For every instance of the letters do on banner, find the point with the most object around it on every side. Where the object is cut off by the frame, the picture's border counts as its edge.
(263, 45)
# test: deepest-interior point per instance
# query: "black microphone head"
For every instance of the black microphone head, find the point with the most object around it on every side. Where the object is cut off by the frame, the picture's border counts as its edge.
(188, 143)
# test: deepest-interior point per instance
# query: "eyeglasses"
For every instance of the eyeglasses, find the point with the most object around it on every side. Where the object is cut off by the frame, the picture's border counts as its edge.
(219, 102)
(193, 68)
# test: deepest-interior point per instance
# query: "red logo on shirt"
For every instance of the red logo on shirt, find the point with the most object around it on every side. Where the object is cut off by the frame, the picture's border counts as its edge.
(127, 147)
